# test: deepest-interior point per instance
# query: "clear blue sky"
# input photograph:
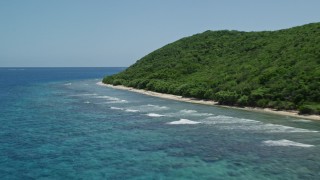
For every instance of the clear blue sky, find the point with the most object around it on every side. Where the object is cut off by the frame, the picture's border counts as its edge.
(105, 33)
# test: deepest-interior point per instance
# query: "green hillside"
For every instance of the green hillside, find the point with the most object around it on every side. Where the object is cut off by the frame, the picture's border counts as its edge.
(276, 69)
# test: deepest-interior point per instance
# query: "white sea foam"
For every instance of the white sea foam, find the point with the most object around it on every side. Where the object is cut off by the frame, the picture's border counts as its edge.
(302, 120)
(116, 108)
(284, 142)
(111, 100)
(85, 94)
(187, 112)
(193, 113)
(228, 120)
(265, 128)
(154, 115)
(108, 98)
(157, 107)
(150, 107)
(131, 110)
(260, 127)
(123, 109)
(285, 129)
(86, 102)
(117, 101)
(184, 121)
(68, 84)
(231, 123)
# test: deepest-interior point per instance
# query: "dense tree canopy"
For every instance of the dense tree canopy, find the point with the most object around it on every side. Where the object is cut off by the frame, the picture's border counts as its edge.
(276, 69)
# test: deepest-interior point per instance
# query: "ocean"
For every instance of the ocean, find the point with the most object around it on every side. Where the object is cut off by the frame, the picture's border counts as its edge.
(57, 123)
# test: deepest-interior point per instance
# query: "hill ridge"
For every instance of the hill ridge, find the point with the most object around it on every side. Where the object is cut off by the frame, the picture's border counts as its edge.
(274, 69)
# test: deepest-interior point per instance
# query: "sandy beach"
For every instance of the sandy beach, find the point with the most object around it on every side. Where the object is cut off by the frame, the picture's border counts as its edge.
(208, 102)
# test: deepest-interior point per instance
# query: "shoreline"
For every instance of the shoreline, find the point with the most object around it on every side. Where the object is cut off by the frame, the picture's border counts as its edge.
(210, 102)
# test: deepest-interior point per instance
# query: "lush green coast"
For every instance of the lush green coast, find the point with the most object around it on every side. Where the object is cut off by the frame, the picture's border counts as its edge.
(269, 69)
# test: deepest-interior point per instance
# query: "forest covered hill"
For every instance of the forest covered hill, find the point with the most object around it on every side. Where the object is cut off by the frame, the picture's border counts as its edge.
(274, 69)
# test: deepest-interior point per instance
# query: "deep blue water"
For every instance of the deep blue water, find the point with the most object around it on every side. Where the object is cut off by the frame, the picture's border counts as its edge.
(57, 123)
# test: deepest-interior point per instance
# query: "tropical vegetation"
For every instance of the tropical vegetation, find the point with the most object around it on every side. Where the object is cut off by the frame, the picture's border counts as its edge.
(268, 69)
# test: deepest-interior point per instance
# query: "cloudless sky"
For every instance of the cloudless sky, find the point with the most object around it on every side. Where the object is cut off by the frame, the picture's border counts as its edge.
(105, 33)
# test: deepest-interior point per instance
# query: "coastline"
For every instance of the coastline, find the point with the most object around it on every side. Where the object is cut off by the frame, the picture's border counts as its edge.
(210, 102)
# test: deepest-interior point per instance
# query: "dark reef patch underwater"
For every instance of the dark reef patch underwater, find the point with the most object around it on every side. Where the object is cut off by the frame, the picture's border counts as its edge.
(56, 123)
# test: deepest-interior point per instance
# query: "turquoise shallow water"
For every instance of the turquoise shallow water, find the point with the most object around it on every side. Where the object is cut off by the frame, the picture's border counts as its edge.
(58, 124)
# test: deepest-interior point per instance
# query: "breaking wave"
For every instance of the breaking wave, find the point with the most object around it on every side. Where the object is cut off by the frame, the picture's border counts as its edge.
(231, 123)
(108, 98)
(285, 142)
(116, 108)
(187, 112)
(184, 121)
(117, 101)
(220, 119)
(302, 120)
(154, 115)
(150, 108)
(131, 110)
(123, 109)
(94, 94)
(111, 100)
